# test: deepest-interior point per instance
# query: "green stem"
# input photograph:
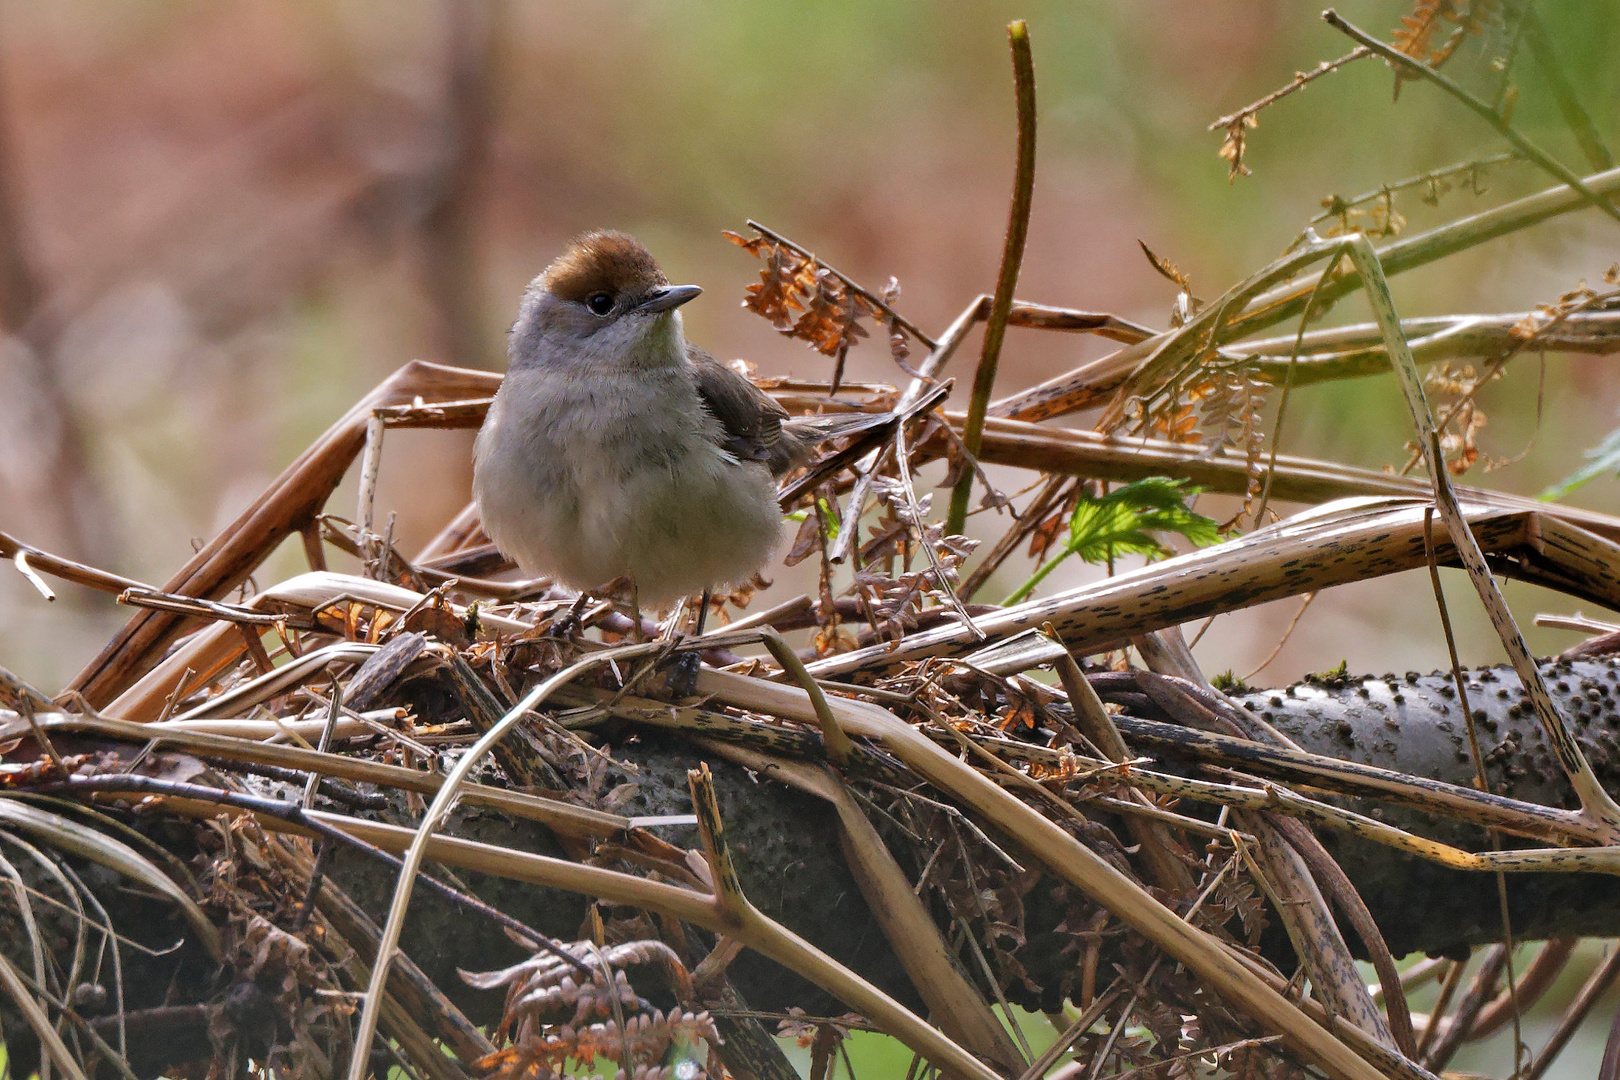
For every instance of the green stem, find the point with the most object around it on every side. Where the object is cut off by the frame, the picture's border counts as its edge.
(1035, 579)
(1012, 256)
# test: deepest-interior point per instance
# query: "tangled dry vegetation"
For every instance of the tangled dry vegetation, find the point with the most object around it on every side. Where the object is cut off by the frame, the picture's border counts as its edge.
(258, 789)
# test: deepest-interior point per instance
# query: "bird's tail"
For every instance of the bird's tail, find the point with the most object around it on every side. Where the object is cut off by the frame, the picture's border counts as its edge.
(809, 430)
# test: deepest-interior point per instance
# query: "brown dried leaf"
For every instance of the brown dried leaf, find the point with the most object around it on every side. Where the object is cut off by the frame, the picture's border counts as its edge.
(752, 246)
(1166, 268)
(775, 296)
(1177, 425)
(806, 541)
(1232, 149)
(831, 314)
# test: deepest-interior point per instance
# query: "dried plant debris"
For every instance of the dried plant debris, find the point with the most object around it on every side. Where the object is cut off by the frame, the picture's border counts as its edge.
(1375, 212)
(1429, 34)
(556, 1022)
(1453, 391)
(1433, 29)
(1187, 305)
(806, 299)
(199, 840)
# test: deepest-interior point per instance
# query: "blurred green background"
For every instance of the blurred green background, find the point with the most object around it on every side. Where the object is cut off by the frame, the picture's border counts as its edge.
(226, 221)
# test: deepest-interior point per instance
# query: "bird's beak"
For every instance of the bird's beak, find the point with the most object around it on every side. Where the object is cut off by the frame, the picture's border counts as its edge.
(667, 298)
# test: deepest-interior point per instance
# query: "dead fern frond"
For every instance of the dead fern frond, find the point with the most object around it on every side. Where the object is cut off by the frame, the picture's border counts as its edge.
(1419, 34)
(1231, 406)
(806, 299)
(628, 1031)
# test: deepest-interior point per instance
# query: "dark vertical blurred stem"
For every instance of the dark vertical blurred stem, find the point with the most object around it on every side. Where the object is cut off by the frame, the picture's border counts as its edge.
(1012, 256)
(61, 502)
(449, 240)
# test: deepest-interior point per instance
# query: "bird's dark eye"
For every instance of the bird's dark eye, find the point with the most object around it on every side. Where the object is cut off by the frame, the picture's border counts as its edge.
(600, 303)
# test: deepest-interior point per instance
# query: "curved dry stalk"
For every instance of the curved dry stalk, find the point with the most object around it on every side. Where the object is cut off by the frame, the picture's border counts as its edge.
(1282, 854)
(1410, 252)
(1095, 723)
(1297, 479)
(1350, 904)
(1065, 856)
(952, 1000)
(1515, 816)
(1527, 819)
(1596, 803)
(1304, 914)
(114, 854)
(277, 681)
(758, 933)
(1348, 352)
(1090, 383)
(11, 981)
(211, 651)
(293, 499)
(1597, 984)
(443, 800)
(1532, 984)
(1012, 258)
(563, 818)
(1333, 544)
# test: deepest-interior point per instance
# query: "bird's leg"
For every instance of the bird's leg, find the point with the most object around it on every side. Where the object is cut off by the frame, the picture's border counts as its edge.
(567, 624)
(636, 636)
(684, 672)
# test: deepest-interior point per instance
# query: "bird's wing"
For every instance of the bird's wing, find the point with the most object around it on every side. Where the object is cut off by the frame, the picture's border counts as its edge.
(750, 420)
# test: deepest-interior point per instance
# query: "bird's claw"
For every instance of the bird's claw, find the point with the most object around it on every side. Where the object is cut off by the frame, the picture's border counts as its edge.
(683, 673)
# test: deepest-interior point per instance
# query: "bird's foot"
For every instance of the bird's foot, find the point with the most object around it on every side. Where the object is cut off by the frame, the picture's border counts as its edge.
(568, 624)
(683, 672)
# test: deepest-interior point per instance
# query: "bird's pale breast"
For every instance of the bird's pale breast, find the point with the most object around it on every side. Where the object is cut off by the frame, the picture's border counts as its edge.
(623, 476)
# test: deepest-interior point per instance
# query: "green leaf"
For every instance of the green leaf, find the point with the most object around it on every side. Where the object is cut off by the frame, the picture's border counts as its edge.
(829, 520)
(1602, 458)
(1123, 521)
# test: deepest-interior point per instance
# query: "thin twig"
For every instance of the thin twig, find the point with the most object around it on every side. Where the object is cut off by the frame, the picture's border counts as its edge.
(1287, 390)
(1474, 105)
(1301, 80)
(1339, 208)
(1596, 986)
(1480, 777)
(1597, 805)
(1286, 634)
(1575, 116)
(902, 461)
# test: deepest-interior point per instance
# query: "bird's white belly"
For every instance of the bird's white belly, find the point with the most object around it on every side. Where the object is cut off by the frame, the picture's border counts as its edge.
(589, 505)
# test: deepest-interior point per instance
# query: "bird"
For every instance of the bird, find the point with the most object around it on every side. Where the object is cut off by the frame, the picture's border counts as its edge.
(616, 448)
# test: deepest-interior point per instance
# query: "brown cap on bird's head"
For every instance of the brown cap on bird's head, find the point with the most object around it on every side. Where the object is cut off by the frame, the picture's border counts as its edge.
(605, 283)
(602, 262)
